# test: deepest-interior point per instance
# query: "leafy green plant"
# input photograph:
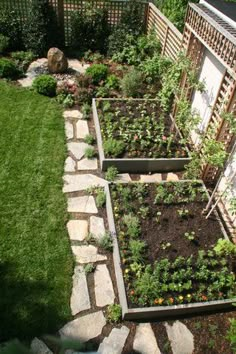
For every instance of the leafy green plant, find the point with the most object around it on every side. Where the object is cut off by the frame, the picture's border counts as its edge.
(4, 43)
(114, 313)
(98, 72)
(137, 249)
(112, 82)
(89, 268)
(131, 83)
(198, 325)
(86, 110)
(111, 173)
(89, 139)
(8, 69)
(10, 27)
(225, 247)
(231, 335)
(133, 225)
(105, 242)
(22, 59)
(89, 152)
(45, 85)
(113, 148)
(183, 213)
(100, 198)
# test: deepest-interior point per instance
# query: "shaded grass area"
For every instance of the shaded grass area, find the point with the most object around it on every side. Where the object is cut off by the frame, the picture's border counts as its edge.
(35, 256)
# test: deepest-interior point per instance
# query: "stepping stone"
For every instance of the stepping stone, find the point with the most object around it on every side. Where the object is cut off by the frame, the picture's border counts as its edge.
(87, 164)
(114, 343)
(77, 149)
(180, 337)
(156, 177)
(123, 177)
(76, 183)
(172, 177)
(77, 229)
(84, 328)
(79, 300)
(87, 254)
(84, 204)
(70, 165)
(104, 292)
(39, 347)
(72, 113)
(97, 227)
(78, 66)
(26, 81)
(69, 130)
(82, 129)
(144, 340)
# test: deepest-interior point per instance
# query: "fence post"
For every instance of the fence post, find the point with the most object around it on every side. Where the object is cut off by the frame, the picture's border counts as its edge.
(60, 6)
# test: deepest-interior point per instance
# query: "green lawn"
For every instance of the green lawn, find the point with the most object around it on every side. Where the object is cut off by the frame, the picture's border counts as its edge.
(35, 257)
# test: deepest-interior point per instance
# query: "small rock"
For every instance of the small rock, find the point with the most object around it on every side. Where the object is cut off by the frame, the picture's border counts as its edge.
(87, 254)
(69, 130)
(77, 229)
(97, 227)
(84, 328)
(79, 300)
(84, 204)
(87, 164)
(114, 343)
(39, 347)
(38, 67)
(76, 65)
(172, 177)
(156, 177)
(76, 183)
(82, 129)
(123, 177)
(73, 113)
(57, 62)
(70, 165)
(180, 337)
(144, 340)
(77, 149)
(104, 292)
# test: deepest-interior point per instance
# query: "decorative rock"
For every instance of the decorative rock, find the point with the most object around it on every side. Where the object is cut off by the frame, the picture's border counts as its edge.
(172, 177)
(70, 165)
(69, 130)
(76, 183)
(84, 328)
(73, 113)
(97, 228)
(26, 81)
(77, 149)
(79, 300)
(87, 254)
(181, 339)
(76, 65)
(114, 343)
(123, 177)
(38, 67)
(156, 177)
(57, 62)
(87, 164)
(39, 347)
(77, 229)
(82, 129)
(104, 292)
(144, 340)
(84, 204)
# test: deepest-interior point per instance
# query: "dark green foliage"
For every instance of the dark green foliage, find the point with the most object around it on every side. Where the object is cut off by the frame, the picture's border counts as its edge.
(90, 30)
(22, 59)
(113, 148)
(131, 83)
(98, 72)
(45, 85)
(4, 43)
(41, 30)
(10, 27)
(8, 69)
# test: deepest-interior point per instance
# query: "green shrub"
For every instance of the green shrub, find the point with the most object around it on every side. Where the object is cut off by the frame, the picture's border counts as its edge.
(114, 313)
(131, 84)
(10, 27)
(45, 85)
(41, 30)
(8, 69)
(225, 248)
(106, 242)
(111, 173)
(113, 148)
(100, 198)
(89, 152)
(86, 110)
(152, 68)
(112, 82)
(4, 43)
(22, 59)
(98, 72)
(89, 139)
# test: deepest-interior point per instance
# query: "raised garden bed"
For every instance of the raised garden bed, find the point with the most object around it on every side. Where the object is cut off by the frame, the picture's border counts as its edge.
(136, 137)
(164, 255)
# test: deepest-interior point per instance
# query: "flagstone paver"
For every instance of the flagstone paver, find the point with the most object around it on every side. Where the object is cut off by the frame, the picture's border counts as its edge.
(70, 165)
(77, 65)
(114, 343)
(97, 227)
(85, 204)
(180, 337)
(69, 130)
(123, 177)
(144, 340)
(80, 296)
(104, 292)
(87, 254)
(156, 177)
(76, 183)
(39, 347)
(77, 229)
(82, 129)
(87, 164)
(77, 149)
(172, 177)
(73, 113)
(84, 328)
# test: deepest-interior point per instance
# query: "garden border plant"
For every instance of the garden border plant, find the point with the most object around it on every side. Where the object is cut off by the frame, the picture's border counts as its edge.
(135, 165)
(158, 312)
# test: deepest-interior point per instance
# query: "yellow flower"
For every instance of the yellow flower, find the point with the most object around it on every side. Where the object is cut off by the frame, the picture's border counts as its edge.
(188, 295)
(181, 297)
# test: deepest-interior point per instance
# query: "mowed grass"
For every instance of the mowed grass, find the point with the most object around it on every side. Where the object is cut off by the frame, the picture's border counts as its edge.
(35, 257)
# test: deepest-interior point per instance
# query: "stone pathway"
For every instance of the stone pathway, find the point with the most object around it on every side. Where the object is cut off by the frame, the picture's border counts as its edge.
(180, 337)
(144, 340)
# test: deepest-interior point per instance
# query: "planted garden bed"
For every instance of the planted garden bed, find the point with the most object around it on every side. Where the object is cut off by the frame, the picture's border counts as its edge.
(165, 257)
(136, 136)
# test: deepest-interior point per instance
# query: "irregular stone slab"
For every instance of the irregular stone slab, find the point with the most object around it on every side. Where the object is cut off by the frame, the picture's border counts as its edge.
(79, 300)
(123, 177)
(97, 227)
(77, 149)
(180, 337)
(70, 165)
(172, 177)
(84, 204)
(114, 343)
(26, 81)
(78, 66)
(84, 328)
(104, 292)
(73, 113)
(82, 129)
(39, 347)
(77, 229)
(36, 65)
(76, 183)
(69, 130)
(144, 340)
(156, 177)
(87, 164)
(87, 254)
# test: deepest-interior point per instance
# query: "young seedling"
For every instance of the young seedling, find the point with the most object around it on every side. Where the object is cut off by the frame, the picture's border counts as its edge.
(158, 217)
(190, 235)
(183, 213)
(165, 245)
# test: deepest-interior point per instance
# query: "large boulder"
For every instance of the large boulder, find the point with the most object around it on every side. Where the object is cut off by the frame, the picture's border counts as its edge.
(57, 62)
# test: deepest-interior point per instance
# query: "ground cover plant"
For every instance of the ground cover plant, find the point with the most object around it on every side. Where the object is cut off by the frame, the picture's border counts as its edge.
(35, 259)
(136, 129)
(169, 250)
